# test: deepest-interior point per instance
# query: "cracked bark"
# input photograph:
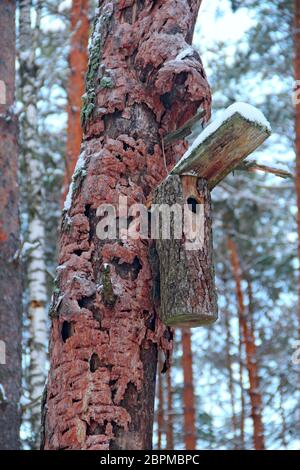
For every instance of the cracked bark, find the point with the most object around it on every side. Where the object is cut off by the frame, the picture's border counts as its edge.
(10, 278)
(136, 92)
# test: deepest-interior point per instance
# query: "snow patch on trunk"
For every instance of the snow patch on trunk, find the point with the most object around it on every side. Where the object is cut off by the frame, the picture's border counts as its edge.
(188, 51)
(80, 165)
(3, 397)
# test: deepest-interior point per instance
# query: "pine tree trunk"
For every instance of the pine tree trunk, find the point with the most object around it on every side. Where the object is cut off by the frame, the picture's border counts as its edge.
(250, 304)
(170, 430)
(251, 353)
(190, 438)
(36, 264)
(160, 409)
(230, 374)
(78, 60)
(105, 330)
(241, 383)
(297, 131)
(284, 430)
(10, 278)
(297, 146)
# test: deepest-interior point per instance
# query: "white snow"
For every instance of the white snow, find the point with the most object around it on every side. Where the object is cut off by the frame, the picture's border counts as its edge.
(185, 53)
(2, 352)
(65, 5)
(2, 394)
(79, 166)
(2, 92)
(28, 247)
(68, 200)
(249, 112)
(25, 55)
(56, 25)
(188, 51)
(61, 267)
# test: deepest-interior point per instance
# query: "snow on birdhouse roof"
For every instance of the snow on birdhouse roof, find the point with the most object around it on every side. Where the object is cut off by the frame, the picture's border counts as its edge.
(247, 111)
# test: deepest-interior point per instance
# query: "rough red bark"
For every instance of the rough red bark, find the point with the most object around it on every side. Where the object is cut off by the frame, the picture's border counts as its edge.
(297, 130)
(251, 352)
(105, 329)
(10, 280)
(190, 437)
(78, 61)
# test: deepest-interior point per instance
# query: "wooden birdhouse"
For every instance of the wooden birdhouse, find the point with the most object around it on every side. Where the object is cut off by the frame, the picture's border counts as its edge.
(187, 286)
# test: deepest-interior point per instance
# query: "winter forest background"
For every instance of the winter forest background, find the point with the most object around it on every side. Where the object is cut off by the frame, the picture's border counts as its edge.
(247, 50)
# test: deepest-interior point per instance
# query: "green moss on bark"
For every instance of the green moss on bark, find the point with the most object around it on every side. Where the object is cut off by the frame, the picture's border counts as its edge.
(93, 76)
(108, 295)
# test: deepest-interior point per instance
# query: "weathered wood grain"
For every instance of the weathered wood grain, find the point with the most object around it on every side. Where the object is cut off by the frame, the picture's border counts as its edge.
(221, 152)
(187, 286)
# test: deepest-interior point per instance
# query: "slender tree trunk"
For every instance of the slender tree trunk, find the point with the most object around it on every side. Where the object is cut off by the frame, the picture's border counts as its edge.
(230, 374)
(283, 433)
(297, 124)
(297, 146)
(160, 410)
(105, 329)
(251, 353)
(36, 265)
(170, 430)
(297, 151)
(242, 389)
(10, 278)
(190, 437)
(250, 304)
(78, 60)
